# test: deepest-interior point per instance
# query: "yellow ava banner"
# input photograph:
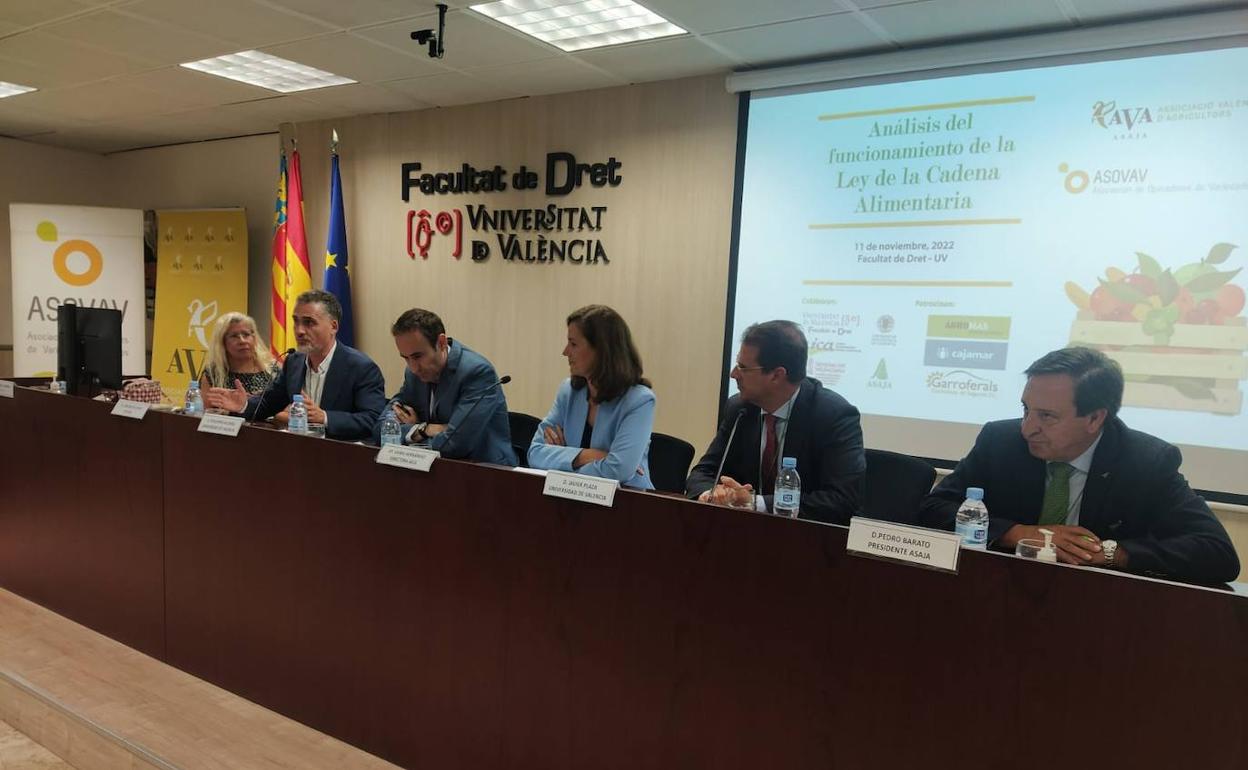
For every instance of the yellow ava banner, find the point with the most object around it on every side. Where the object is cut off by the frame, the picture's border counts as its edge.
(201, 273)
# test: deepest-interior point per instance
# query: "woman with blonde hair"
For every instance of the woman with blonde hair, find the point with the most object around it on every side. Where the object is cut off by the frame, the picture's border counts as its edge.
(236, 352)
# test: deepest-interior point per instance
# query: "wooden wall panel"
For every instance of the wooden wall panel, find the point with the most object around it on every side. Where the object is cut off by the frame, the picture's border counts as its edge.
(667, 232)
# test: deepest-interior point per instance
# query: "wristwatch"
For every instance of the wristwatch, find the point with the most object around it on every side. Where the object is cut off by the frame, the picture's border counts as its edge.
(1110, 549)
(420, 430)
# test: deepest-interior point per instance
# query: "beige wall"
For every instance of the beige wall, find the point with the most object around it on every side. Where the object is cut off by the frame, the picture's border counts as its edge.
(666, 231)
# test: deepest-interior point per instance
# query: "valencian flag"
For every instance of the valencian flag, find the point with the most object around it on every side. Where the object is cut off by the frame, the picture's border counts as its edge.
(337, 274)
(277, 317)
(292, 272)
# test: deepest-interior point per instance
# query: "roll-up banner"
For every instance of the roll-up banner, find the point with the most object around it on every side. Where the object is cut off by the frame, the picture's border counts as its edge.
(201, 274)
(83, 255)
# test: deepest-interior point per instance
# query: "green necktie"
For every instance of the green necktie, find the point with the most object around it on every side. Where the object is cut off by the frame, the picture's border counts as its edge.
(1056, 494)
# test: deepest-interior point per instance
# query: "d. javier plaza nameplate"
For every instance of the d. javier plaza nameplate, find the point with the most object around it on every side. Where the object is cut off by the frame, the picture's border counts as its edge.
(929, 548)
(585, 489)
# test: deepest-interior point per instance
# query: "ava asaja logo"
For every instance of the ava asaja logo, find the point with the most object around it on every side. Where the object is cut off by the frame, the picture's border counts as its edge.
(1109, 115)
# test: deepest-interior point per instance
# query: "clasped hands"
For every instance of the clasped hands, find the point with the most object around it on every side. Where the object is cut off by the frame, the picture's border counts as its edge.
(235, 400)
(729, 492)
(1074, 545)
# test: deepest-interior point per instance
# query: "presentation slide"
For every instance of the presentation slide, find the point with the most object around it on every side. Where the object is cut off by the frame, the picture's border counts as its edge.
(934, 237)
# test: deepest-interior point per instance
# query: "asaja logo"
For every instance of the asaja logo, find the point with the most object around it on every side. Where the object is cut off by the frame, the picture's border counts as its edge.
(880, 380)
(69, 258)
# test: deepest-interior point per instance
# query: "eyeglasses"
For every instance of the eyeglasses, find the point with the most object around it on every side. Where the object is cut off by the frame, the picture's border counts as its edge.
(739, 368)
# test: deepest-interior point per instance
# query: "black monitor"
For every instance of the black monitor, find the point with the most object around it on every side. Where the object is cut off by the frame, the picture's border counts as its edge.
(88, 353)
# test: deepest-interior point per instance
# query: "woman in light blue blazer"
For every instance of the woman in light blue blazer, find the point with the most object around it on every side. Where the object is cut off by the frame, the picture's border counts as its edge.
(601, 420)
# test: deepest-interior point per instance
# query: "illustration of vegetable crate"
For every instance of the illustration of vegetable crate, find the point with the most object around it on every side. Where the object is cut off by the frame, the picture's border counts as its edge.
(1179, 336)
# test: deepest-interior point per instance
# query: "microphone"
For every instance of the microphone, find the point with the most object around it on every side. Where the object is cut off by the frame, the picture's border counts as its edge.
(259, 403)
(453, 429)
(724, 458)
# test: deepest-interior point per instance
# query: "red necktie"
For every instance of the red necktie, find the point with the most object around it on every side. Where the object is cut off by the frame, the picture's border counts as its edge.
(769, 456)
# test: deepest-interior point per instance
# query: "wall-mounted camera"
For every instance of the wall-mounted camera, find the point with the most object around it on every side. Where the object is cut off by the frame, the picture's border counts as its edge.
(434, 39)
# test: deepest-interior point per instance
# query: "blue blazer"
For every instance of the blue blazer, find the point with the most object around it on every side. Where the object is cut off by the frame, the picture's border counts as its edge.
(469, 402)
(353, 395)
(621, 429)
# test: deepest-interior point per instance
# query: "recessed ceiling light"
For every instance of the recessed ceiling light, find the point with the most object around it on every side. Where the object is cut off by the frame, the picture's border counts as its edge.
(268, 71)
(13, 89)
(574, 25)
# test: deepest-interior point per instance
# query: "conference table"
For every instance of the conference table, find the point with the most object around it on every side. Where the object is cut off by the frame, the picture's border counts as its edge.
(460, 618)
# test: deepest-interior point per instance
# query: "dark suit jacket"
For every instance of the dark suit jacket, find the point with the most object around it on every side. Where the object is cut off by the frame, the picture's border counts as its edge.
(480, 434)
(824, 434)
(353, 395)
(1134, 495)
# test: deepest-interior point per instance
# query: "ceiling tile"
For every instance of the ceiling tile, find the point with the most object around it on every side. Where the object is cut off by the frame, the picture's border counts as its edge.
(355, 58)
(61, 62)
(823, 37)
(244, 23)
(158, 44)
(363, 99)
(702, 16)
(23, 122)
(450, 88)
(952, 19)
(659, 59)
(472, 41)
(100, 138)
(20, 14)
(548, 76)
(199, 87)
(357, 13)
(104, 101)
(1097, 10)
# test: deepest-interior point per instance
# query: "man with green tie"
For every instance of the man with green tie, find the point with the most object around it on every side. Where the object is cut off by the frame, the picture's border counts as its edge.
(1112, 497)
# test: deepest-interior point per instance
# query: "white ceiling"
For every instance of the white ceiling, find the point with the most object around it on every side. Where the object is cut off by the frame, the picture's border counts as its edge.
(108, 78)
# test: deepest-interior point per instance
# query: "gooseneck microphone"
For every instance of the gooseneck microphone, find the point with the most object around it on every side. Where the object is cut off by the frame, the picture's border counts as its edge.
(255, 416)
(453, 429)
(724, 458)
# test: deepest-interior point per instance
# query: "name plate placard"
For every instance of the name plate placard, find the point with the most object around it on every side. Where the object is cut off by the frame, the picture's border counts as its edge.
(585, 489)
(6, 389)
(220, 424)
(135, 410)
(929, 548)
(413, 458)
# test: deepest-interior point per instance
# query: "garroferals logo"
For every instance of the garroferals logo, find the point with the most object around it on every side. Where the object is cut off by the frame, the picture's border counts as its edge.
(960, 382)
(72, 271)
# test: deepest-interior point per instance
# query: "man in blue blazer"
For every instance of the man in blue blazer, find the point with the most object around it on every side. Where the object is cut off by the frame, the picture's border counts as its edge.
(342, 388)
(1112, 496)
(451, 395)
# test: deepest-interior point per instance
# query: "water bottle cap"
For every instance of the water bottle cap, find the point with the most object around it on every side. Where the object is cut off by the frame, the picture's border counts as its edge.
(974, 493)
(298, 398)
(788, 462)
(194, 385)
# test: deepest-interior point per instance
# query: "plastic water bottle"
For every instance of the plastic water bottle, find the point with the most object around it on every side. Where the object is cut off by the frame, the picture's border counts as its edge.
(972, 524)
(788, 499)
(391, 431)
(194, 405)
(298, 416)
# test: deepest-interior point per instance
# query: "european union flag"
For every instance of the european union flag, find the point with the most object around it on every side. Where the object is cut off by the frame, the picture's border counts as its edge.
(337, 275)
